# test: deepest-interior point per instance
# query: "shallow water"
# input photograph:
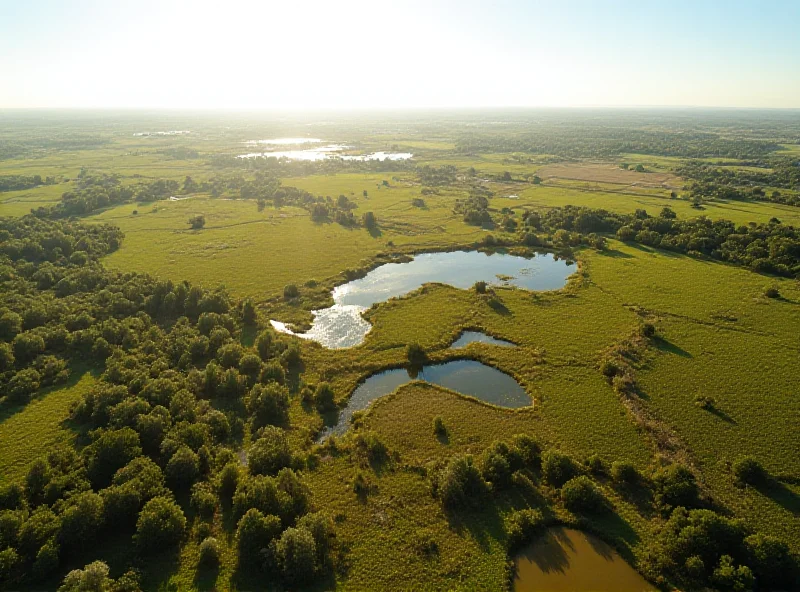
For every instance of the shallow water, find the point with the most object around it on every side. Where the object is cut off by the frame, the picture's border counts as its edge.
(468, 337)
(467, 377)
(343, 326)
(565, 559)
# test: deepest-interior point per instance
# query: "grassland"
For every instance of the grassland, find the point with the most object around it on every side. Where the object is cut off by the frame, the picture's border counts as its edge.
(28, 432)
(718, 336)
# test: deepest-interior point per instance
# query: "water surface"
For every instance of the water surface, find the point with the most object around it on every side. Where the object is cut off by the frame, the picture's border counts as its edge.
(331, 151)
(569, 560)
(343, 326)
(468, 337)
(467, 377)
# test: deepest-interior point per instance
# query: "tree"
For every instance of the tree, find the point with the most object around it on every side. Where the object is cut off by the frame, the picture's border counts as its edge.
(92, 578)
(197, 222)
(183, 469)
(248, 312)
(290, 291)
(82, 520)
(270, 453)
(415, 354)
(209, 552)
(461, 484)
(580, 495)
(268, 404)
(296, 554)
(369, 220)
(110, 452)
(254, 534)
(624, 472)
(161, 524)
(23, 384)
(676, 486)
(749, 470)
(557, 468)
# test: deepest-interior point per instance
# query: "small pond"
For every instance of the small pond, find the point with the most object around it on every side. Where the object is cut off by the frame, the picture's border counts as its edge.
(285, 141)
(571, 560)
(467, 377)
(468, 337)
(343, 326)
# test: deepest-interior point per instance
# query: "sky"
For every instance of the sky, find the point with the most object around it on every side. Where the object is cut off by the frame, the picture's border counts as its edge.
(342, 54)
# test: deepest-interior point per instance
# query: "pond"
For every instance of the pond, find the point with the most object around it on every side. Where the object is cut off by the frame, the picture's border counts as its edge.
(343, 326)
(468, 337)
(571, 560)
(467, 377)
(285, 141)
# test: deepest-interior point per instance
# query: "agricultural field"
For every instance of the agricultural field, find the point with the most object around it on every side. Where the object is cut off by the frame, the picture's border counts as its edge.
(142, 376)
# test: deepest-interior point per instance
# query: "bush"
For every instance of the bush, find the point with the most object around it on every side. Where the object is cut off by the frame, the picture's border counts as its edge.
(110, 452)
(495, 467)
(415, 354)
(92, 578)
(461, 484)
(749, 470)
(360, 484)
(624, 473)
(772, 292)
(580, 495)
(728, 576)
(369, 220)
(480, 287)
(771, 561)
(296, 555)
(209, 552)
(197, 222)
(557, 468)
(270, 453)
(439, 429)
(595, 464)
(228, 480)
(161, 524)
(324, 397)
(82, 520)
(290, 291)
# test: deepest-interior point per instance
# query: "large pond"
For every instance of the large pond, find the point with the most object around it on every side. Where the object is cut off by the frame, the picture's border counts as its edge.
(565, 559)
(343, 326)
(467, 377)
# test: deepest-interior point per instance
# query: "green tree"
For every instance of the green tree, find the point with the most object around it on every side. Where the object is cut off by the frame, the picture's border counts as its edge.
(270, 453)
(296, 553)
(161, 524)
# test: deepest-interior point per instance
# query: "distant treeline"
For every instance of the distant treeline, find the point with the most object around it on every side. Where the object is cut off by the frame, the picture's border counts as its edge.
(713, 182)
(768, 248)
(283, 167)
(20, 182)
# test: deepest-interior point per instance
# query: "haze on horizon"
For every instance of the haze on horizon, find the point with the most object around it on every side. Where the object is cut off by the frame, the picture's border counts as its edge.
(310, 54)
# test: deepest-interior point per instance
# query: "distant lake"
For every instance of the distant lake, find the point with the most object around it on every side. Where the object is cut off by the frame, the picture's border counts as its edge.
(342, 325)
(330, 151)
(467, 377)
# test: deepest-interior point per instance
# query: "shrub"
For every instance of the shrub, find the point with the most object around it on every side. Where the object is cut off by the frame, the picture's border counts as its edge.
(209, 552)
(290, 291)
(439, 429)
(772, 292)
(369, 220)
(197, 222)
(461, 484)
(557, 468)
(92, 578)
(161, 524)
(324, 397)
(416, 354)
(110, 452)
(595, 464)
(360, 484)
(749, 470)
(648, 330)
(480, 287)
(228, 480)
(370, 447)
(580, 495)
(728, 576)
(609, 368)
(203, 500)
(771, 561)
(82, 520)
(624, 472)
(495, 467)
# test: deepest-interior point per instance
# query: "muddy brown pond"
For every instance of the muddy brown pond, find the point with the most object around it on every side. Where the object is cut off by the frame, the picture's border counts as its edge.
(565, 559)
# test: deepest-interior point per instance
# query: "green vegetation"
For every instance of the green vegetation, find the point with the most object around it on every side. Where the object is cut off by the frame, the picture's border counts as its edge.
(157, 433)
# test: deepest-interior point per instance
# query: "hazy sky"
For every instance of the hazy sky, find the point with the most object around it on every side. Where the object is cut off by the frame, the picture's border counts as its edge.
(431, 53)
